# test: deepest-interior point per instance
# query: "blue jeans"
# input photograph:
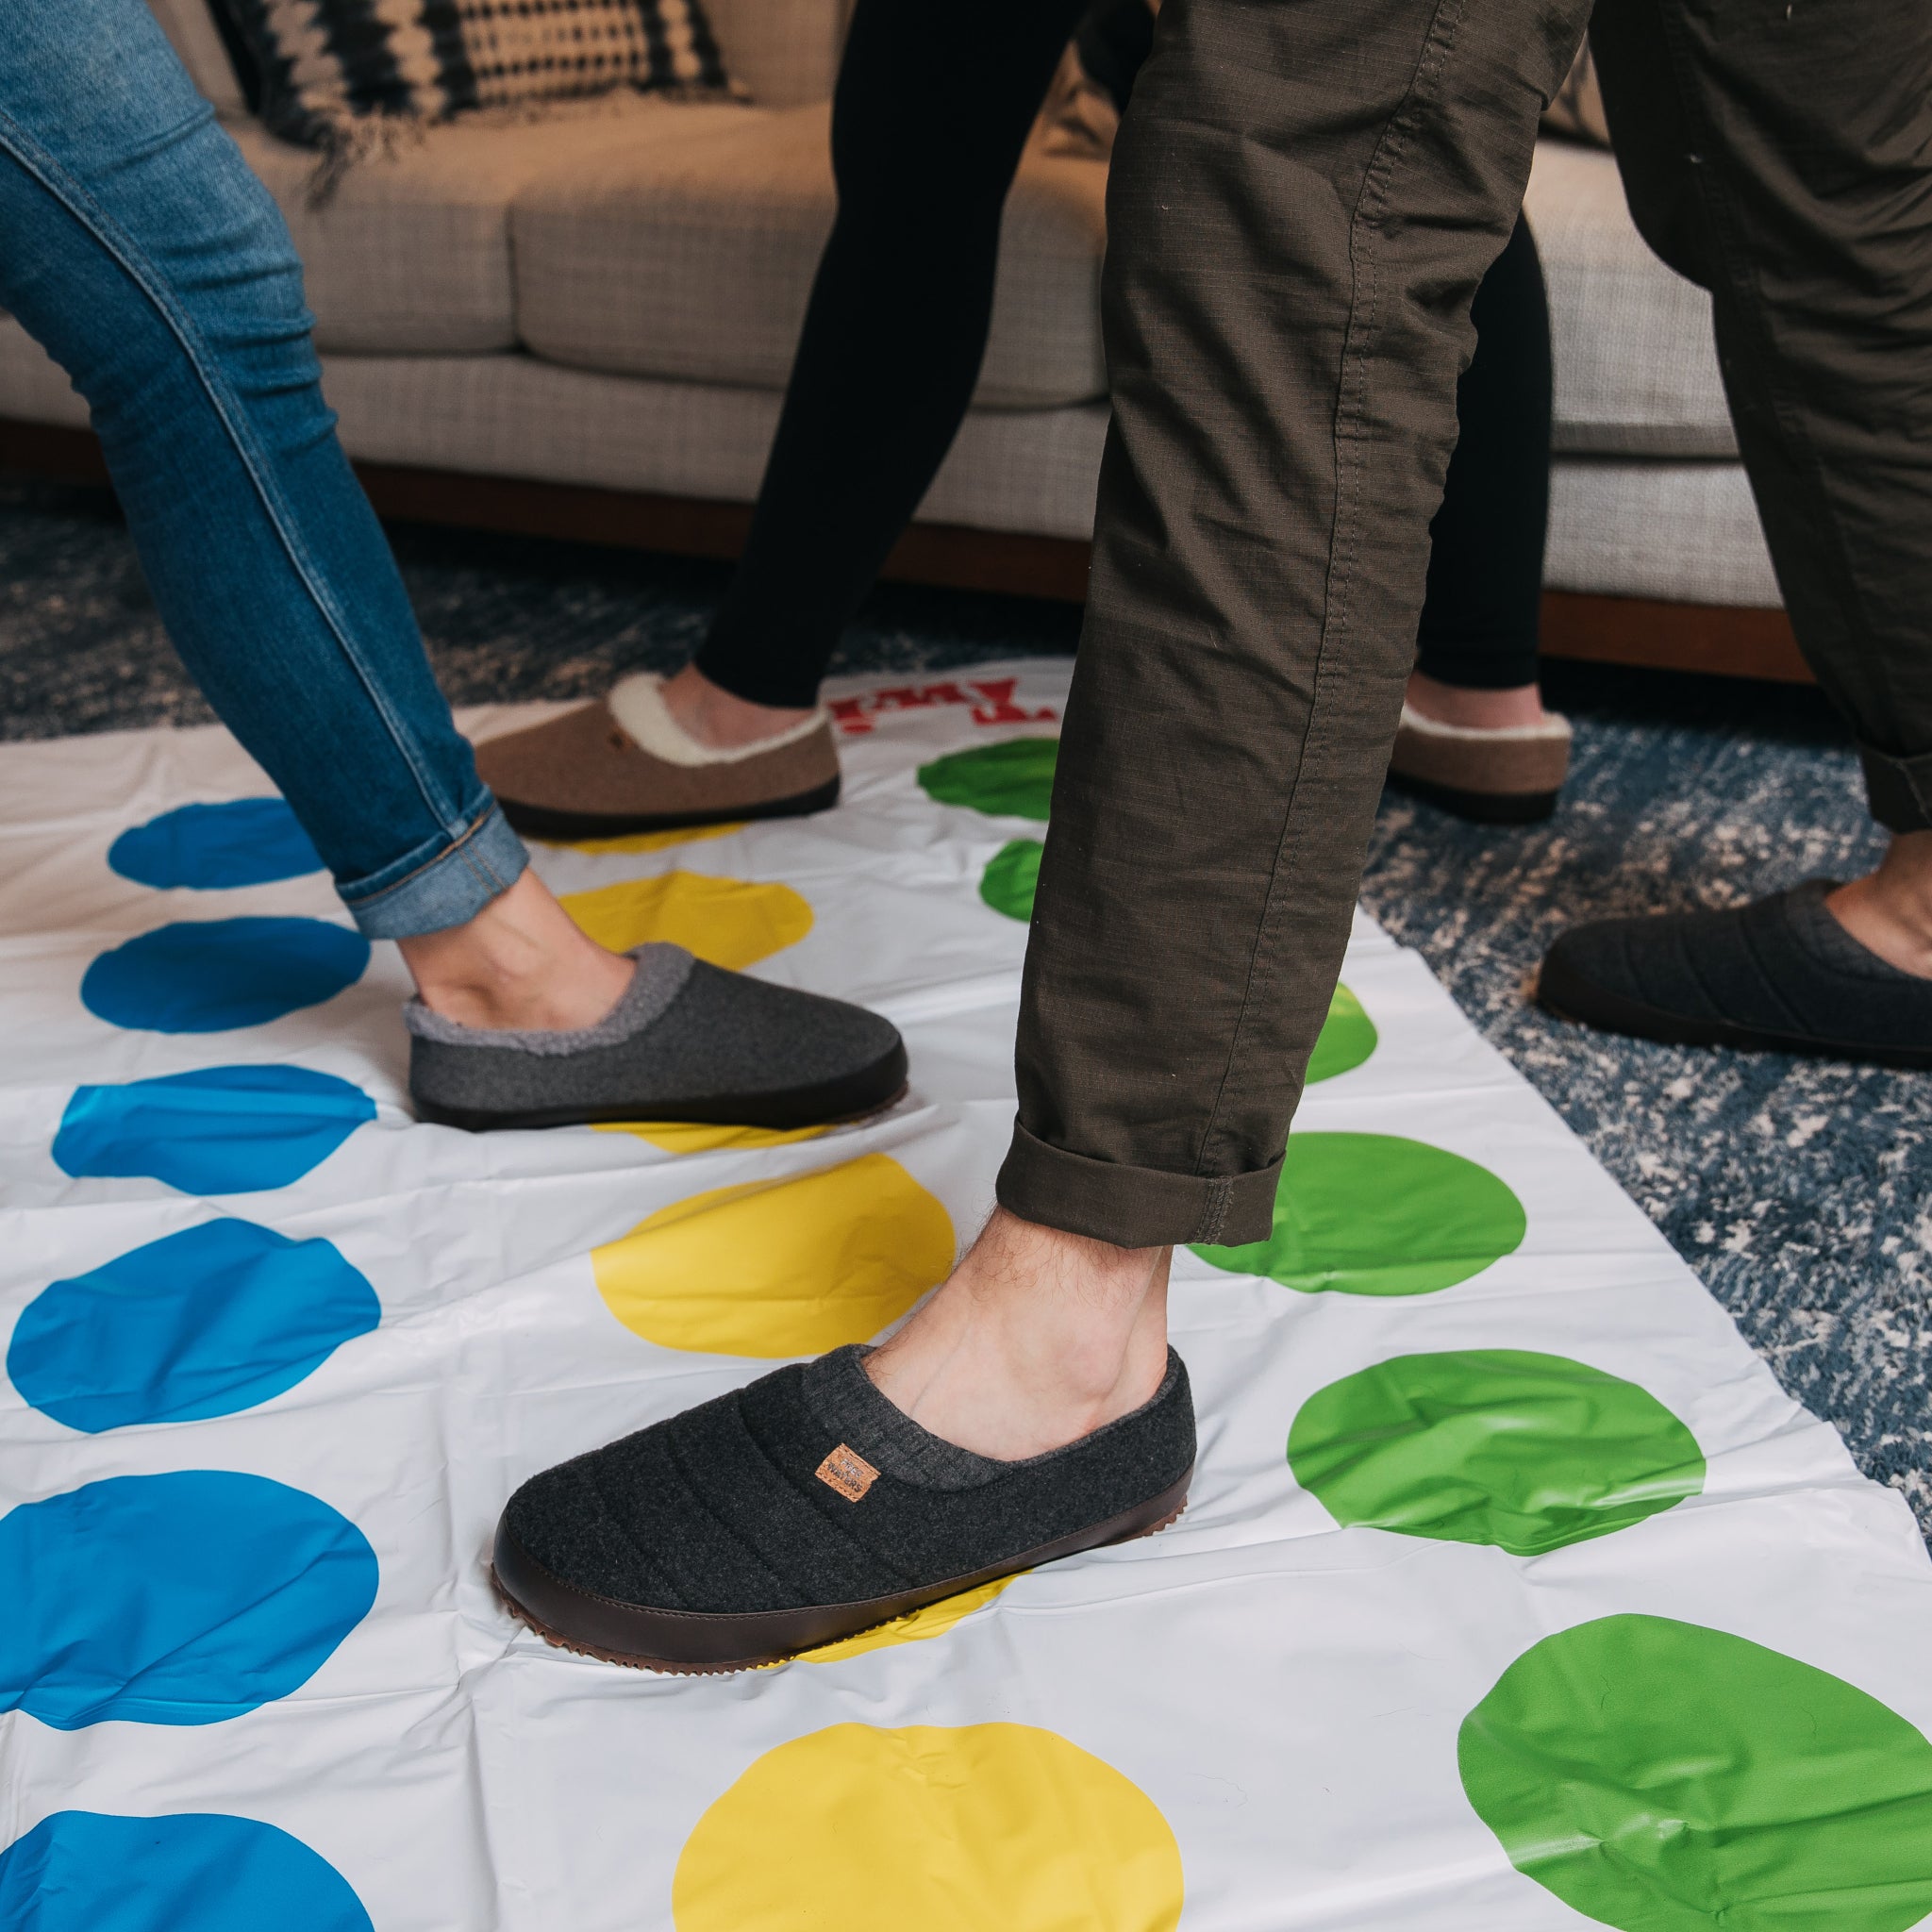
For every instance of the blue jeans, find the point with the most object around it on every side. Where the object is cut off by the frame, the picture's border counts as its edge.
(137, 248)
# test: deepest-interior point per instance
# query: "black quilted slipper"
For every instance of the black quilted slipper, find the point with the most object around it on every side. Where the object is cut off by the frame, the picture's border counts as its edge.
(1780, 975)
(688, 1041)
(805, 1508)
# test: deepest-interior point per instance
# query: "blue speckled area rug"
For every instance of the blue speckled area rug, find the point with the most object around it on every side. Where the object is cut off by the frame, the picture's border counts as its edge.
(1800, 1193)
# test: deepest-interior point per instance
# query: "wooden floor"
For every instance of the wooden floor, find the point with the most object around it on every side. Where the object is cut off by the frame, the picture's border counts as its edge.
(1719, 640)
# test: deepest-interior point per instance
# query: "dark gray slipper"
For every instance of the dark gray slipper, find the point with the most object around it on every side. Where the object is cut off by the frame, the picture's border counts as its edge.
(1780, 975)
(688, 1041)
(805, 1508)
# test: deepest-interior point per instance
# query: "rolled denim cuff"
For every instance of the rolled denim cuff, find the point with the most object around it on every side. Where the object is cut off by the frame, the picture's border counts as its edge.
(443, 882)
(1900, 789)
(1134, 1207)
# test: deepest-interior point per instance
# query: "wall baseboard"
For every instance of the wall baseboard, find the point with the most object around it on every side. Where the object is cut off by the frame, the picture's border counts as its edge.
(1718, 639)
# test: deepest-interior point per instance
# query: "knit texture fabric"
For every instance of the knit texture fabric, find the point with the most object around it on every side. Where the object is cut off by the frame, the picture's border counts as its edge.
(1781, 967)
(718, 1036)
(722, 1509)
(660, 976)
(344, 75)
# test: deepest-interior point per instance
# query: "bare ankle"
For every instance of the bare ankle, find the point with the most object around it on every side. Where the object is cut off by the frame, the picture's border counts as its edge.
(520, 965)
(1890, 911)
(1038, 1339)
(721, 719)
(1476, 710)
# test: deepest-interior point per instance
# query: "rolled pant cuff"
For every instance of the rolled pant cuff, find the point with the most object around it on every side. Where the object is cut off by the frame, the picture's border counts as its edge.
(1134, 1207)
(445, 885)
(1900, 789)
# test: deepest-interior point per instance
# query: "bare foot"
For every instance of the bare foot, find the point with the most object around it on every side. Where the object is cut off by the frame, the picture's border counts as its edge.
(1476, 710)
(521, 964)
(713, 716)
(1039, 1337)
(1890, 911)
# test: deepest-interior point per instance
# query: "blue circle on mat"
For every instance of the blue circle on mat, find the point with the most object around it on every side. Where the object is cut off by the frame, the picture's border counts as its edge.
(246, 842)
(203, 1322)
(221, 1130)
(177, 1599)
(92, 1871)
(207, 976)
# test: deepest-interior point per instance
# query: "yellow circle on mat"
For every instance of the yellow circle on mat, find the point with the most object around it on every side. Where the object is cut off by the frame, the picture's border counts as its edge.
(990, 1827)
(777, 1268)
(914, 1628)
(700, 1137)
(729, 921)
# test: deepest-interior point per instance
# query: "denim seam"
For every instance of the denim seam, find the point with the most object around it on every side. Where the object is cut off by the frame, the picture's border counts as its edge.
(1351, 405)
(457, 848)
(31, 156)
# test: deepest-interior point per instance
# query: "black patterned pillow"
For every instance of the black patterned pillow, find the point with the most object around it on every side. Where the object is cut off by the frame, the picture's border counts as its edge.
(335, 73)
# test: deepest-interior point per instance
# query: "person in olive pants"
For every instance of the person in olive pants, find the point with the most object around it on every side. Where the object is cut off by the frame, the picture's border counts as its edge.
(1303, 198)
(1305, 195)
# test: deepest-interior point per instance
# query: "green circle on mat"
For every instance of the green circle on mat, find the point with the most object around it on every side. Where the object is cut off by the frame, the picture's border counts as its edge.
(1348, 1038)
(1012, 872)
(1664, 1777)
(1524, 1452)
(1377, 1214)
(1014, 777)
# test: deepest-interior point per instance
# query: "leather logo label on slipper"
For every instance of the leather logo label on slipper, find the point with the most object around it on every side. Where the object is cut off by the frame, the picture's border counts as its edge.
(846, 1471)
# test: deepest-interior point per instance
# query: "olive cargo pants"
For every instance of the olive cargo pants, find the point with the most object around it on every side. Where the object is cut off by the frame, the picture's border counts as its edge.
(1304, 197)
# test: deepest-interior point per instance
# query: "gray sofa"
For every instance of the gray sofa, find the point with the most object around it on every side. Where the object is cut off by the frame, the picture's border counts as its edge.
(610, 298)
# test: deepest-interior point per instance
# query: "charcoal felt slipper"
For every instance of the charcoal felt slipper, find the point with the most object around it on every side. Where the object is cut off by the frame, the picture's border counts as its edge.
(624, 765)
(688, 1041)
(1780, 975)
(1495, 774)
(805, 1508)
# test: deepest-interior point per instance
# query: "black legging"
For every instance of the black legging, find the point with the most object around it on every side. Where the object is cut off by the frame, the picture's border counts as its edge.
(932, 111)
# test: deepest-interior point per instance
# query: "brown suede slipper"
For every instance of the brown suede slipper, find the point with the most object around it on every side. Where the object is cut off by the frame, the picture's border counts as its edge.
(586, 775)
(1497, 777)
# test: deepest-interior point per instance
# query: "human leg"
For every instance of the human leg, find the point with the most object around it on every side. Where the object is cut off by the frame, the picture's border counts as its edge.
(1303, 202)
(932, 112)
(143, 254)
(1475, 737)
(1783, 160)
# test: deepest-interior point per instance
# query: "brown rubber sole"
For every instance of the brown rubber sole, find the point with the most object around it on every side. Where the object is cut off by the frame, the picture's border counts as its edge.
(832, 1103)
(555, 826)
(708, 1645)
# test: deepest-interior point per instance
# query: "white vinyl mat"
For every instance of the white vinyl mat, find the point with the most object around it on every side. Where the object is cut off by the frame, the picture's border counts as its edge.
(1512, 1594)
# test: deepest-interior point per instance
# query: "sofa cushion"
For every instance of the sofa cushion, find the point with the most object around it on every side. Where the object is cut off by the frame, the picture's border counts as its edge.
(693, 261)
(1637, 371)
(412, 252)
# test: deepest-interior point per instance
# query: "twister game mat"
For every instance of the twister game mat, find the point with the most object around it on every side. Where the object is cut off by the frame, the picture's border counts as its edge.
(1513, 1596)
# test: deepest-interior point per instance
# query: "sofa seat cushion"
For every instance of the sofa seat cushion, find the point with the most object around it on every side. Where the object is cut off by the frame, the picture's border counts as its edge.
(693, 261)
(1637, 371)
(412, 254)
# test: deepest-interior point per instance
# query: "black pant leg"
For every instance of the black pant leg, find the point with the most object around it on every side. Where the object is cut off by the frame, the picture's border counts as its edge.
(1480, 622)
(932, 111)
(1781, 156)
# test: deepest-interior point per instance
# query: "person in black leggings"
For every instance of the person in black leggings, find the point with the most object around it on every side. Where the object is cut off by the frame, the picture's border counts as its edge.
(932, 111)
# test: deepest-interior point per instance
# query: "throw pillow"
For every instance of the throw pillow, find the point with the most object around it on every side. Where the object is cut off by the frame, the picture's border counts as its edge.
(342, 75)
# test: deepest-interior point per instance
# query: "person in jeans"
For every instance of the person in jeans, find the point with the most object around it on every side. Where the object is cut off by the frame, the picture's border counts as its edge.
(933, 108)
(137, 248)
(1303, 201)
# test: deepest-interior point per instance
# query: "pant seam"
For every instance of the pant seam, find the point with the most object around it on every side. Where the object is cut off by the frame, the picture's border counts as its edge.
(105, 232)
(1351, 409)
